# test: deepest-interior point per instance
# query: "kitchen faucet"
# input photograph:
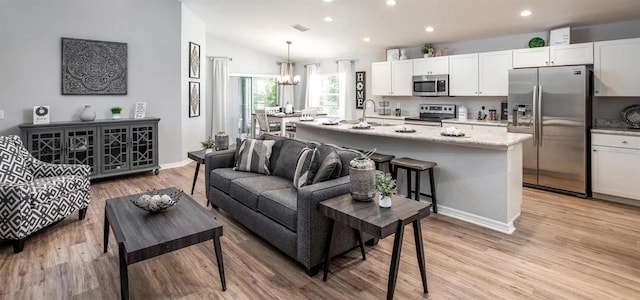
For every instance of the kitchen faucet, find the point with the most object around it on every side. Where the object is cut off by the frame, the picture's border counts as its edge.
(364, 109)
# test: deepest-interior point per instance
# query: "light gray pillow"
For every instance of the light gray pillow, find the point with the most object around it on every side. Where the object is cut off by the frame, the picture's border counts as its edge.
(254, 156)
(306, 167)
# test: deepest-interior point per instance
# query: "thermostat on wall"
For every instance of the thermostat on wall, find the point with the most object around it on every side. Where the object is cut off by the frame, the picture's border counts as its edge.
(560, 36)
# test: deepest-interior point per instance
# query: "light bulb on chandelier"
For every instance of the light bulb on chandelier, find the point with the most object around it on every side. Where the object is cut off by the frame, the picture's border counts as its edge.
(287, 77)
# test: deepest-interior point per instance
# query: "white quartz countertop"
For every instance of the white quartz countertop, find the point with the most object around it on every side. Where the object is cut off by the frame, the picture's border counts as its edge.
(476, 122)
(472, 138)
(617, 131)
(391, 117)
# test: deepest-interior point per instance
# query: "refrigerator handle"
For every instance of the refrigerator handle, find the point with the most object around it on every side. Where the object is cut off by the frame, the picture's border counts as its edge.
(540, 116)
(535, 116)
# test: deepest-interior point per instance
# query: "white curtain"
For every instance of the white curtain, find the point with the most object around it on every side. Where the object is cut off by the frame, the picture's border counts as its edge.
(346, 87)
(285, 92)
(219, 100)
(311, 93)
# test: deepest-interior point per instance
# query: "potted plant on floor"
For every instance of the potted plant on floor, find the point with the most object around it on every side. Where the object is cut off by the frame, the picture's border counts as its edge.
(115, 112)
(208, 145)
(386, 186)
(427, 50)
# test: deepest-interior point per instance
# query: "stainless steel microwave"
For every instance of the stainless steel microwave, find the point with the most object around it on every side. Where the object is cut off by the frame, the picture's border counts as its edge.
(431, 85)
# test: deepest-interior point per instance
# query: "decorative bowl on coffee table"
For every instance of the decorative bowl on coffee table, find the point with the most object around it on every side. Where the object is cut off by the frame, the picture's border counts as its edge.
(154, 202)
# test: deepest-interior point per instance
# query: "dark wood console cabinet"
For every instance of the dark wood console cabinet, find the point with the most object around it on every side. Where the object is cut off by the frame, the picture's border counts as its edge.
(110, 147)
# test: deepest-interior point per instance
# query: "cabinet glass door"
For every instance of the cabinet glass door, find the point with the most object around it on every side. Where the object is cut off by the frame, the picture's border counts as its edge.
(81, 147)
(46, 146)
(143, 146)
(115, 157)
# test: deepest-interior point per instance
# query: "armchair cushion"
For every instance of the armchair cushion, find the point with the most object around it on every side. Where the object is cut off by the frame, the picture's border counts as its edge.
(42, 169)
(46, 189)
(13, 166)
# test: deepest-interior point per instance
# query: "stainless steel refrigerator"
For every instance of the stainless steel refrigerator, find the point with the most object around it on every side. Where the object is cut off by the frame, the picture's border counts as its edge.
(554, 105)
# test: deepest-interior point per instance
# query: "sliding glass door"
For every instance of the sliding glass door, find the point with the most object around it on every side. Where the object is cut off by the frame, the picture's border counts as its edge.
(254, 94)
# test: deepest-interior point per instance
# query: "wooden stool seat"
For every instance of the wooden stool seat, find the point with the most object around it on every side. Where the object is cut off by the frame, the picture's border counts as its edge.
(414, 165)
(380, 158)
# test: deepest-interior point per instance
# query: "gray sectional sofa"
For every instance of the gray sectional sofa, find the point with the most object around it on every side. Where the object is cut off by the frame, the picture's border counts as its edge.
(271, 207)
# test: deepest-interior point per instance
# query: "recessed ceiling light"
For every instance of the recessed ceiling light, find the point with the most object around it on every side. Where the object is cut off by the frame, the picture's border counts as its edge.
(525, 13)
(328, 19)
(366, 39)
(328, 0)
(429, 29)
(391, 2)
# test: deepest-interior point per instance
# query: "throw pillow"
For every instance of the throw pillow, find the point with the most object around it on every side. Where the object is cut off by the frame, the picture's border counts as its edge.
(254, 156)
(306, 167)
(13, 166)
(330, 167)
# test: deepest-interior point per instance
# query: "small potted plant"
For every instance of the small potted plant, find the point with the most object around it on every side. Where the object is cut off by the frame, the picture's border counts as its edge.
(386, 186)
(208, 144)
(115, 112)
(427, 50)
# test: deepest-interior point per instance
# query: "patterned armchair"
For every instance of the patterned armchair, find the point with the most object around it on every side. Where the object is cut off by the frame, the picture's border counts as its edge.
(35, 194)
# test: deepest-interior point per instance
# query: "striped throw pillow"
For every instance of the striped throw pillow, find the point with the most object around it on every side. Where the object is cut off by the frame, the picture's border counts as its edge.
(306, 167)
(254, 156)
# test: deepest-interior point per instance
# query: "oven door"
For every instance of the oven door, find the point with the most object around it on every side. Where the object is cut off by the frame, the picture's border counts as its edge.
(425, 86)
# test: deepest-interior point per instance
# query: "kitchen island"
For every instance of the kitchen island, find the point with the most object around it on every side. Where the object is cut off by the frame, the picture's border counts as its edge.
(478, 177)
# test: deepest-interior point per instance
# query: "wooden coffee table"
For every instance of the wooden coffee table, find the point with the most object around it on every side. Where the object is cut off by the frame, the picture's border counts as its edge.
(380, 222)
(142, 235)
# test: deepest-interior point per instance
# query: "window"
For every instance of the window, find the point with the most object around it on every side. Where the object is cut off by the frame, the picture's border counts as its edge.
(328, 99)
(254, 94)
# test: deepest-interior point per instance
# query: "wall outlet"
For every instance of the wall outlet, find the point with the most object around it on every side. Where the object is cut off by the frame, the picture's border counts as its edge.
(1, 114)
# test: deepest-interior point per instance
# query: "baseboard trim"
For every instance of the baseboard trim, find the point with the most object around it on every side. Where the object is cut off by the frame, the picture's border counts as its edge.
(617, 199)
(176, 164)
(507, 228)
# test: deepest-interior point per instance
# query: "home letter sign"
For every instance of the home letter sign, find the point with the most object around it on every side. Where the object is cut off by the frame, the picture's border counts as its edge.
(360, 89)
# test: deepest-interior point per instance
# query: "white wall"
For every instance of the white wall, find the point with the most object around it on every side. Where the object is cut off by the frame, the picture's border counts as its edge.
(193, 129)
(30, 58)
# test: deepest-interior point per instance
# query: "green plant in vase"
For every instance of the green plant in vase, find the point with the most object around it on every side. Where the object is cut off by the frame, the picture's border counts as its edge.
(115, 112)
(386, 186)
(208, 144)
(427, 50)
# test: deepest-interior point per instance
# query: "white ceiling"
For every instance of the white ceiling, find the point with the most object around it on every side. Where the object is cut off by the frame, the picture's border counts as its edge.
(265, 25)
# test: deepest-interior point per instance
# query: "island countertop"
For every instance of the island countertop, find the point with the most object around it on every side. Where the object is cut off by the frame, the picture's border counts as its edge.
(472, 138)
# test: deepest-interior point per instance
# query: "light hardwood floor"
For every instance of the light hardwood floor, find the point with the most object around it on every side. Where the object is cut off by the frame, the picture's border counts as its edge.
(563, 248)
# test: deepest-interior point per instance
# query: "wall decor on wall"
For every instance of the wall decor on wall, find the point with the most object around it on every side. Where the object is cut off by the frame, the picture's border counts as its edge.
(194, 60)
(360, 89)
(93, 67)
(194, 99)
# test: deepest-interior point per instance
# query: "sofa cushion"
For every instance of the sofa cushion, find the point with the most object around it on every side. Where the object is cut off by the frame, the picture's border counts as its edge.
(286, 164)
(275, 150)
(281, 206)
(254, 156)
(13, 165)
(306, 167)
(346, 155)
(247, 190)
(221, 178)
(330, 164)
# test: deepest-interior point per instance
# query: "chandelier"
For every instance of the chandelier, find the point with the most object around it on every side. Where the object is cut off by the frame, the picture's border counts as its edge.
(287, 77)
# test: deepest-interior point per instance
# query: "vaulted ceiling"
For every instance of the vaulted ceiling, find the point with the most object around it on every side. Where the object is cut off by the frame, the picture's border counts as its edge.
(265, 25)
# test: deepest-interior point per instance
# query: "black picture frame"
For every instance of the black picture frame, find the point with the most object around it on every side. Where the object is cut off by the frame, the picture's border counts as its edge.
(194, 60)
(90, 67)
(361, 87)
(194, 99)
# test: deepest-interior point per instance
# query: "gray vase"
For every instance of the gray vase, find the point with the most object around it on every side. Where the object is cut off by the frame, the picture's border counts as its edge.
(362, 173)
(87, 114)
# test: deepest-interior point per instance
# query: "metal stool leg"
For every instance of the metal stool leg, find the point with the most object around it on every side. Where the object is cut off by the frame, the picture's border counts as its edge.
(432, 182)
(417, 186)
(408, 183)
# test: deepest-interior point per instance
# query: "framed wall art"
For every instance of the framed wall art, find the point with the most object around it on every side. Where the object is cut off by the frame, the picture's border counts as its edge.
(194, 99)
(93, 67)
(140, 111)
(194, 60)
(393, 54)
(360, 89)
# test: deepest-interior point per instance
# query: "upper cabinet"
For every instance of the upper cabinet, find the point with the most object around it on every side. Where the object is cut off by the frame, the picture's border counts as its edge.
(483, 74)
(616, 64)
(560, 55)
(431, 66)
(392, 78)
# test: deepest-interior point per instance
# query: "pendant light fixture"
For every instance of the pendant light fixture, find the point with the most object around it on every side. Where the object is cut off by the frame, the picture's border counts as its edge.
(287, 78)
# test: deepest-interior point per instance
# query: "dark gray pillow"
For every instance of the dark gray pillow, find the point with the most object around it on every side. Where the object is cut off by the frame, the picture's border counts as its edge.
(254, 156)
(306, 167)
(330, 166)
(285, 164)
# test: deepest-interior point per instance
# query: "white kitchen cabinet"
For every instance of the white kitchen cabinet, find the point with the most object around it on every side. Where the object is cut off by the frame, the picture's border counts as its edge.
(559, 55)
(431, 66)
(483, 74)
(392, 78)
(493, 76)
(463, 75)
(615, 65)
(614, 161)
(531, 57)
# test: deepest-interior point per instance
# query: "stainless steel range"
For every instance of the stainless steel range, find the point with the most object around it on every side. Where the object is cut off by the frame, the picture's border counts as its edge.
(433, 114)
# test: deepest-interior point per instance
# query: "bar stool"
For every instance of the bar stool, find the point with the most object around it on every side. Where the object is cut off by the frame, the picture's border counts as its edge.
(418, 166)
(379, 159)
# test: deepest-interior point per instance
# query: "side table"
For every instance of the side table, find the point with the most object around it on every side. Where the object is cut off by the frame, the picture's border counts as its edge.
(380, 222)
(199, 157)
